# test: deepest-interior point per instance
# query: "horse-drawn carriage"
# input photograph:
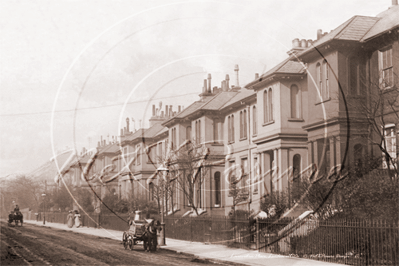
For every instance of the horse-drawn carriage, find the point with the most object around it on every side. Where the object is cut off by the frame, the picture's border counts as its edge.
(16, 217)
(141, 230)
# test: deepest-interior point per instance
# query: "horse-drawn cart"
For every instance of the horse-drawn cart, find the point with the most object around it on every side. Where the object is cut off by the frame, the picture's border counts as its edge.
(16, 217)
(141, 230)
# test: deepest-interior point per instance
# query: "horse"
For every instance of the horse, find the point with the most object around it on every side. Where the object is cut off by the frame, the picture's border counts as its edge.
(151, 239)
(15, 217)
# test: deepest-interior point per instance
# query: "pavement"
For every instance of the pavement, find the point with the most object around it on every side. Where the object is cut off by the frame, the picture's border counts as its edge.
(211, 252)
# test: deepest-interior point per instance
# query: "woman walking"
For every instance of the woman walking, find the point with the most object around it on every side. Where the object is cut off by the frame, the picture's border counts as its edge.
(77, 219)
(70, 219)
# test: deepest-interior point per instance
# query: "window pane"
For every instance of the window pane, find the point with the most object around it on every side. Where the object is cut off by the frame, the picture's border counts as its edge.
(270, 105)
(265, 108)
(254, 120)
(294, 102)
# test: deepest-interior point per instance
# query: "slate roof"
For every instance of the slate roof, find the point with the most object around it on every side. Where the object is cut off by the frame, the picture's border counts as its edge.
(163, 130)
(189, 110)
(153, 131)
(112, 148)
(288, 66)
(241, 95)
(361, 28)
(134, 135)
(219, 100)
(388, 20)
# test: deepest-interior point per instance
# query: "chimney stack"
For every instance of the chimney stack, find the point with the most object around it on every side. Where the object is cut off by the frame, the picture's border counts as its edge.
(166, 111)
(227, 82)
(179, 109)
(205, 88)
(209, 82)
(223, 85)
(98, 144)
(127, 124)
(394, 2)
(319, 34)
(153, 110)
(236, 70)
(171, 110)
(162, 114)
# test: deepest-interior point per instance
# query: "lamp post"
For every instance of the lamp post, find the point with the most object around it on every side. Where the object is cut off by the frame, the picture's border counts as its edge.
(164, 172)
(44, 208)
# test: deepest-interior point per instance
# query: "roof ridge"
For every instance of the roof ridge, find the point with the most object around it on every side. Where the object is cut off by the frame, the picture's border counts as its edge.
(348, 22)
(377, 19)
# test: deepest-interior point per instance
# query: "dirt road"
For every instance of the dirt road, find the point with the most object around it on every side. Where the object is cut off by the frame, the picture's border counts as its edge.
(34, 245)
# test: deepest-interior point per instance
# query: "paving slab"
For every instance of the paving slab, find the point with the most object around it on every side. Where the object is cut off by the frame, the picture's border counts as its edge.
(212, 252)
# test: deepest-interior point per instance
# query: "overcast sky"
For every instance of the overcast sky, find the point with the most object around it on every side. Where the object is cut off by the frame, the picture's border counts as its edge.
(72, 71)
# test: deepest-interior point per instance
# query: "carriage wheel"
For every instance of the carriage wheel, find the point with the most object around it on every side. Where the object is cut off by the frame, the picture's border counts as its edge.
(131, 243)
(124, 240)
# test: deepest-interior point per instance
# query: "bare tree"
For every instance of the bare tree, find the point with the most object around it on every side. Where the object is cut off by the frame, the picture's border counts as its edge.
(188, 165)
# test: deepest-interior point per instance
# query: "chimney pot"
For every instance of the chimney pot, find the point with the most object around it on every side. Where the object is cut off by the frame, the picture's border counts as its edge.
(319, 34)
(304, 43)
(157, 111)
(127, 124)
(310, 42)
(394, 2)
(256, 75)
(179, 109)
(162, 114)
(98, 144)
(166, 111)
(295, 43)
(209, 82)
(236, 69)
(205, 88)
(227, 82)
(153, 110)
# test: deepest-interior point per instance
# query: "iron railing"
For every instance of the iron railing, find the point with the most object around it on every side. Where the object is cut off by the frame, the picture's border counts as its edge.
(351, 242)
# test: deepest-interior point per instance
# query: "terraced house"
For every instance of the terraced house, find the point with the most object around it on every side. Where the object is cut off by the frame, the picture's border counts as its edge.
(333, 101)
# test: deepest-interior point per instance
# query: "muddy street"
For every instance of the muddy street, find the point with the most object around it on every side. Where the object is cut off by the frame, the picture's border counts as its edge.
(35, 245)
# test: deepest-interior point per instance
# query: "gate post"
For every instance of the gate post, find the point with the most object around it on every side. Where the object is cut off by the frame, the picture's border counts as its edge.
(257, 233)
